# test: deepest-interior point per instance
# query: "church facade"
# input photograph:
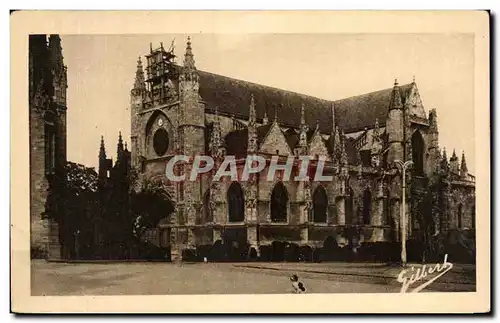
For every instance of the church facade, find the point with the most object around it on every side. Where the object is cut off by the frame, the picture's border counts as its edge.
(180, 110)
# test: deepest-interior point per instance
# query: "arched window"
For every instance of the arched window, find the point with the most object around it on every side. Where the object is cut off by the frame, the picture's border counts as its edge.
(459, 216)
(417, 153)
(367, 206)
(349, 206)
(320, 204)
(279, 203)
(235, 203)
(208, 215)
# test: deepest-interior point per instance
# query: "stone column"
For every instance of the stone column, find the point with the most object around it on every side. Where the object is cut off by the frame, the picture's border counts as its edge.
(396, 214)
(304, 233)
(377, 219)
(341, 210)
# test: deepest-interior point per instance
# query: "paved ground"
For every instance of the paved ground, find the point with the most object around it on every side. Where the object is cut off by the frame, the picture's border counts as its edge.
(220, 278)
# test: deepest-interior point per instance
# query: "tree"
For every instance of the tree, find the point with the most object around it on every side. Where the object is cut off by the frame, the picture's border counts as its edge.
(72, 203)
(149, 205)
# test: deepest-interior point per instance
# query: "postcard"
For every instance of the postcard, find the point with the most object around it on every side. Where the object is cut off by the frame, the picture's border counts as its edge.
(228, 161)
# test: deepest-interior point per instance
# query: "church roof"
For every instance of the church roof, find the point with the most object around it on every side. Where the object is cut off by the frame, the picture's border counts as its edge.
(232, 97)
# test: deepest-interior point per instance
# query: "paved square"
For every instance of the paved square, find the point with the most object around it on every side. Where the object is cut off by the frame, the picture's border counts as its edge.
(210, 278)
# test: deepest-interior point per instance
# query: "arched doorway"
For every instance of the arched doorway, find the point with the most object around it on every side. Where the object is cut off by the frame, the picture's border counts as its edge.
(367, 206)
(235, 203)
(417, 153)
(320, 205)
(279, 203)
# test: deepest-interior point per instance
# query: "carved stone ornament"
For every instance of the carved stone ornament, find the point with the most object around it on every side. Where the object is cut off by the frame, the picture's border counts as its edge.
(375, 161)
(307, 195)
(40, 100)
(251, 197)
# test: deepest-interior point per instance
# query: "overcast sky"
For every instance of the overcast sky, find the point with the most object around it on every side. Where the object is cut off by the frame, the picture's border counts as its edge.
(101, 72)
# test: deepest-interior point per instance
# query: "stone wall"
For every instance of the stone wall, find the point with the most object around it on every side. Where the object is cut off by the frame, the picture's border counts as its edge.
(38, 182)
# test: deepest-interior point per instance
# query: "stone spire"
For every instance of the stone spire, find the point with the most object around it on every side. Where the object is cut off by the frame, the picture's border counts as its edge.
(337, 145)
(334, 127)
(139, 83)
(396, 102)
(188, 56)
(252, 127)
(119, 150)
(343, 152)
(454, 163)
(445, 167)
(265, 120)
(395, 126)
(303, 132)
(463, 167)
(102, 149)
(215, 138)
(103, 161)
(189, 72)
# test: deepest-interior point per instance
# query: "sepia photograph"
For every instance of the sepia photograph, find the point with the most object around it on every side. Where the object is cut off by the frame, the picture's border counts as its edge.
(193, 162)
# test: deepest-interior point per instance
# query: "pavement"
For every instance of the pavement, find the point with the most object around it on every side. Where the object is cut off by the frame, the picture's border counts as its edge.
(459, 274)
(146, 278)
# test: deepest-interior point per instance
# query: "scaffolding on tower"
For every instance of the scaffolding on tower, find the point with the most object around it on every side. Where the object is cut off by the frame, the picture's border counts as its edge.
(160, 71)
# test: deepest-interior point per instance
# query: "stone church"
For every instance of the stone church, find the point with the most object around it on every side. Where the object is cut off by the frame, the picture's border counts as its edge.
(182, 110)
(47, 139)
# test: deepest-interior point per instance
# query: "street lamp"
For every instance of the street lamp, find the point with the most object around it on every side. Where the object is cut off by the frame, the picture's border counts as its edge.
(402, 167)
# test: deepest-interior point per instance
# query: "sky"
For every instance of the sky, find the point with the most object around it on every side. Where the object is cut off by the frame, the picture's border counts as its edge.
(101, 70)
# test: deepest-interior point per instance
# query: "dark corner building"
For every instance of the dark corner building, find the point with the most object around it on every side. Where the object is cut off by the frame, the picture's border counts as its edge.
(47, 136)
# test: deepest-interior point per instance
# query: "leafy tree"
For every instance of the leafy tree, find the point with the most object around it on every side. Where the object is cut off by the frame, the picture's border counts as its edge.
(72, 203)
(149, 205)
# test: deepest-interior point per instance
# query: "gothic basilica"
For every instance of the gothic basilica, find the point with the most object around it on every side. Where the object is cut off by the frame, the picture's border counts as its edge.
(180, 110)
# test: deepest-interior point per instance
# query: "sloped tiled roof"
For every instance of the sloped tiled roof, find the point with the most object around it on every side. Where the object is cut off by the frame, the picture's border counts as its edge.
(357, 112)
(232, 97)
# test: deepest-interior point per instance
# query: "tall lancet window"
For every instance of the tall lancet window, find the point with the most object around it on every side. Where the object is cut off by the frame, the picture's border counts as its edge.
(367, 206)
(417, 153)
(279, 203)
(207, 211)
(349, 206)
(235, 203)
(320, 204)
